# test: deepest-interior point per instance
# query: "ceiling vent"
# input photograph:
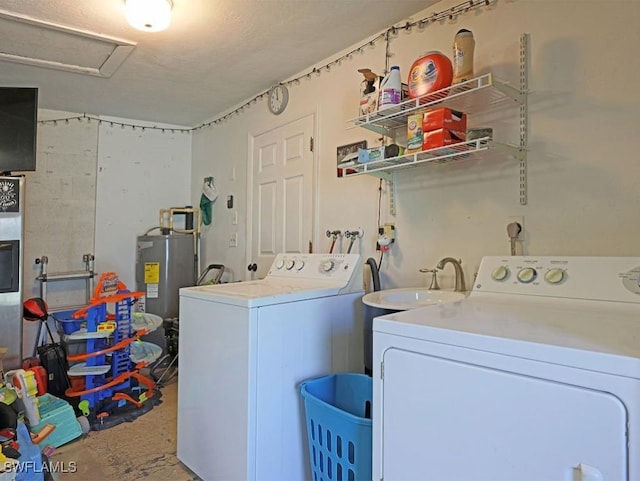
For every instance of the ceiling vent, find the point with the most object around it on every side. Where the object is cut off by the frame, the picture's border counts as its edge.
(30, 41)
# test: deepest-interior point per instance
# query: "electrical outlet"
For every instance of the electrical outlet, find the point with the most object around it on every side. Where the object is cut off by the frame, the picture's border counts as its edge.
(386, 237)
(390, 231)
(519, 219)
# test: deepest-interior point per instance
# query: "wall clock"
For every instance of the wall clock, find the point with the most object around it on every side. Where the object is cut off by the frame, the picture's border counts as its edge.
(278, 99)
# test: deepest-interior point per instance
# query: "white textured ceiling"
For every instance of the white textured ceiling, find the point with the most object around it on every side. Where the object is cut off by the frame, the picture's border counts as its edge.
(215, 54)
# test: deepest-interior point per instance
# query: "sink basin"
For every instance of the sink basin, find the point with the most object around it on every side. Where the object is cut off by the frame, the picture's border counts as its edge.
(403, 299)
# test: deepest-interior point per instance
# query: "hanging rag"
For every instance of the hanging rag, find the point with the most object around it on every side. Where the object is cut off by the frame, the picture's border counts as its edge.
(208, 197)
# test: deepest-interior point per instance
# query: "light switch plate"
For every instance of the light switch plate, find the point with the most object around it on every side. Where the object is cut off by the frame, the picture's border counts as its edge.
(233, 239)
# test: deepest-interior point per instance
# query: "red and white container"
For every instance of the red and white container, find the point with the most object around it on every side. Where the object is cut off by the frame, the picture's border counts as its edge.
(444, 118)
(433, 71)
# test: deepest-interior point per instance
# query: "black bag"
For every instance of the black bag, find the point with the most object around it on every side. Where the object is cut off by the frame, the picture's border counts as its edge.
(54, 360)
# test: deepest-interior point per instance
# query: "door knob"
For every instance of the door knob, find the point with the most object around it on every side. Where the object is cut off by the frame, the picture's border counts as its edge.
(252, 267)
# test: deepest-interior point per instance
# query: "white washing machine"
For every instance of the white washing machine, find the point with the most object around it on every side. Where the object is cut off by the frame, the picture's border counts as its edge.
(244, 347)
(534, 377)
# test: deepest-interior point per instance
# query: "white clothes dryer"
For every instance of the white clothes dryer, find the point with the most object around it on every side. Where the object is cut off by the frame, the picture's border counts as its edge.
(244, 347)
(534, 377)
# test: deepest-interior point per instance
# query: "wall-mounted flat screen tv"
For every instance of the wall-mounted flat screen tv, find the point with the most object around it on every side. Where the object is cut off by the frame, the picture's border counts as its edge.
(18, 129)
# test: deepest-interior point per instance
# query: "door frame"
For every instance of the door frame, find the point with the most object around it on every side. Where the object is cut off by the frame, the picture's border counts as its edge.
(314, 184)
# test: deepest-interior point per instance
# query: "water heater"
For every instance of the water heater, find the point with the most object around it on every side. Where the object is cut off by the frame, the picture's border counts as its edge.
(164, 264)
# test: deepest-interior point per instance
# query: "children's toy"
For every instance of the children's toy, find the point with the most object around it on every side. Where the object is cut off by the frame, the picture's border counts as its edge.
(30, 462)
(114, 355)
(145, 321)
(59, 414)
(24, 383)
(84, 408)
(43, 433)
(142, 351)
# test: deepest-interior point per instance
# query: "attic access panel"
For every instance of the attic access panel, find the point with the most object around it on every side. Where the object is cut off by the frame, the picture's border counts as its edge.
(31, 41)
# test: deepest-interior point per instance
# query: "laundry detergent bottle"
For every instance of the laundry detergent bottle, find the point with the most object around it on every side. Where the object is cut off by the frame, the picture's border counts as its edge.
(390, 89)
(433, 71)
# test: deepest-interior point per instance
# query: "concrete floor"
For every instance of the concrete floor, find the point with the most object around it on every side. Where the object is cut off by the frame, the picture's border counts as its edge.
(144, 449)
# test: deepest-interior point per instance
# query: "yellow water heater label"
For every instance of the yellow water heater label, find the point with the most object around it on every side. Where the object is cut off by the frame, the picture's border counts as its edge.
(151, 272)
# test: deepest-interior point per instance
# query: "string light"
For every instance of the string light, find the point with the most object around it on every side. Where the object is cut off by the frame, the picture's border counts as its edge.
(448, 14)
(90, 119)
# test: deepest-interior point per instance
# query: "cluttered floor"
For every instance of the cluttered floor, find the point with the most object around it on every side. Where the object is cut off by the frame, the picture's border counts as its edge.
(144, 449)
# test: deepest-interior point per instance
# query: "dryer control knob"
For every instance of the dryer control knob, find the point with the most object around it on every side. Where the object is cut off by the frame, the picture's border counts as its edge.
(279, 264)
(554, 276)
(299, 265)
(500, 273)
(527, 275)
(289, 265)
(327, 266)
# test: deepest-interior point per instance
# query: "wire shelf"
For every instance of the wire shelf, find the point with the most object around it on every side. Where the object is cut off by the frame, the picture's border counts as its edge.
(480, 94)
(469, 96)
(440, 155)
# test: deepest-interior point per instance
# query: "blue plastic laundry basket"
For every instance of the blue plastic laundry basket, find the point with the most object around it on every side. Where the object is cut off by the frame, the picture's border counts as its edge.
(337, 409)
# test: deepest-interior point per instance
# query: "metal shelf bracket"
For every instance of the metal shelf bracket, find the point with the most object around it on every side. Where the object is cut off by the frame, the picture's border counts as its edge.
(524, 114)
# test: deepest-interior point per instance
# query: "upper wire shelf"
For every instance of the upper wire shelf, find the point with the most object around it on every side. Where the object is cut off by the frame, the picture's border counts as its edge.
(468, 96)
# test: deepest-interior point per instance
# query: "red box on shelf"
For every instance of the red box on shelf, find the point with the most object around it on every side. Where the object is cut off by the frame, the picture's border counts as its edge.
(444, 118)
(441, 137)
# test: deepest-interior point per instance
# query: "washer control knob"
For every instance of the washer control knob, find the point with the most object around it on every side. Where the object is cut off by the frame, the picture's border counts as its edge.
(289, 265)
(554, 276)
(299, 265)
(500, 273)
(527, 275)
(327, 266)
(280, 264)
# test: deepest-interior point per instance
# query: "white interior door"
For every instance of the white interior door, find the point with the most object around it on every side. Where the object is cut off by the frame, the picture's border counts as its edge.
(281, 213)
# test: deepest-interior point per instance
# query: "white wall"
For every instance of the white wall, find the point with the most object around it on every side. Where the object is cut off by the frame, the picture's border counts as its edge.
(97, 187)
(582, 177)
(60, 205)
(139, 173)
(59, 215)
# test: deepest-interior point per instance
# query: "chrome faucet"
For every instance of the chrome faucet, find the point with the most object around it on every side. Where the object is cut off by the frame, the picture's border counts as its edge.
(459, 285)
(434, 279)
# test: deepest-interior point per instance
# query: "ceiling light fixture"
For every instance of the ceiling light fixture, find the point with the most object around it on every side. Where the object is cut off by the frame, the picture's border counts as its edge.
(149, 15)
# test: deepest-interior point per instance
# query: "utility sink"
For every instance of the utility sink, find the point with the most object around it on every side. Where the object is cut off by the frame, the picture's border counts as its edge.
(406, 298)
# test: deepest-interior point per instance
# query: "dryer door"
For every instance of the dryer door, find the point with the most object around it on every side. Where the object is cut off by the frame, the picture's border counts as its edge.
(449, 420)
